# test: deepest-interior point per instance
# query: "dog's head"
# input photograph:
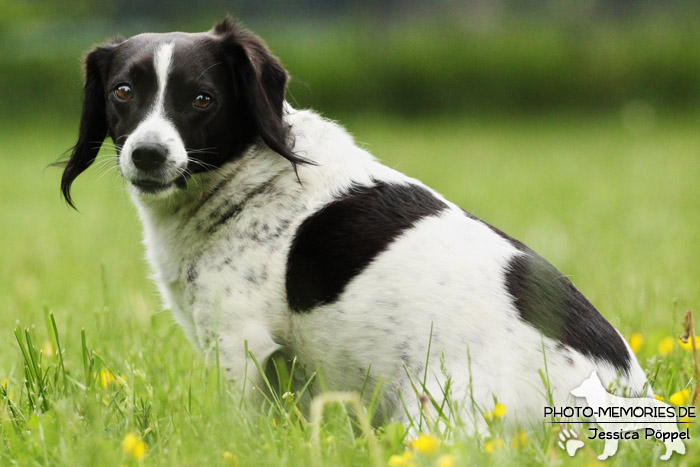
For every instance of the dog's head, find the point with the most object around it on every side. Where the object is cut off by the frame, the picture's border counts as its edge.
(177, 104)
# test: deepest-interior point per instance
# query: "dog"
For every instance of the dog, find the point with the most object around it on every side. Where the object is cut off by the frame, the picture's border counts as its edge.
(596, 397)
(269, 230)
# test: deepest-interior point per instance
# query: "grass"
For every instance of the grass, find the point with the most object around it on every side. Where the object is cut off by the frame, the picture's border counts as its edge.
(615, 207)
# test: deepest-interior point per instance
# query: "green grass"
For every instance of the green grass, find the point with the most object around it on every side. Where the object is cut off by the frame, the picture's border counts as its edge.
(617, 210)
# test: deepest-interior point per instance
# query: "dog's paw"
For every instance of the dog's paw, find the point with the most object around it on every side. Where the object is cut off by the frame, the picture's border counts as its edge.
(569, 442)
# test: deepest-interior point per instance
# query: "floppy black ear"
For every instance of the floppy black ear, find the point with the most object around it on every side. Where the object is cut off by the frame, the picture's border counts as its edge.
(93, 122)
(259, 82)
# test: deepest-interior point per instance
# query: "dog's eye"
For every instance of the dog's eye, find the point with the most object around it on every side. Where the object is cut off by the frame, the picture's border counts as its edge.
(202, 101)
(124, 92)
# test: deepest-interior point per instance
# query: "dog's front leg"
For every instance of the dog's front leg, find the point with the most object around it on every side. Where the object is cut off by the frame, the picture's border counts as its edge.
(240, 348)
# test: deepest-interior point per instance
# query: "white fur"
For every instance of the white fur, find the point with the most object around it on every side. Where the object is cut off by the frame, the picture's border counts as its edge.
(161, 60)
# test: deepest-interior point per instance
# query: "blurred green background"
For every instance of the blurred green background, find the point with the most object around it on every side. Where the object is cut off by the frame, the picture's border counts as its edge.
(409, 58)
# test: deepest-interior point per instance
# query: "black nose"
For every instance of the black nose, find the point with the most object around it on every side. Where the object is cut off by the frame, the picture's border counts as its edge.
(149, 156)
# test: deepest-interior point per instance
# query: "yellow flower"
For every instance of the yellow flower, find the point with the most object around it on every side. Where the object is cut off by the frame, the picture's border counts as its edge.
(447, 460)
(689, 345)
(499, 410)
(106, 377)
(403, 460)
(133, 446)
(659, 398)
(636, 341)
(425, 444)
(666, 345)
(47, 349)
(519, 440)
(491, 446)
(5, 382)
(680, 397)
(685, 420)
(230, 459)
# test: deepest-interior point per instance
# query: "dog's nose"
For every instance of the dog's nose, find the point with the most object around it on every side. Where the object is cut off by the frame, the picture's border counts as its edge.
(149, 157)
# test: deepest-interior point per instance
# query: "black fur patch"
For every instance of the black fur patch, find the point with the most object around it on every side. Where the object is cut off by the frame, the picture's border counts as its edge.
(547, 300)
(336, 243)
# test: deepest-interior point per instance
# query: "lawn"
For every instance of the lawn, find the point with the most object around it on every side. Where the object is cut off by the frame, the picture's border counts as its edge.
(613, 203)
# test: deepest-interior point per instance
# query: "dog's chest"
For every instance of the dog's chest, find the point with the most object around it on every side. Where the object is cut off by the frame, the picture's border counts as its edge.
(225, 260)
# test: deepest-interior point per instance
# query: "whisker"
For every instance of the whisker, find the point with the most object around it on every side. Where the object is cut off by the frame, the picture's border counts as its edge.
(112, 145)
(207, 69)
(202, 151)
(105, 159)
(202, 164)
(109, 170)
(191, 176)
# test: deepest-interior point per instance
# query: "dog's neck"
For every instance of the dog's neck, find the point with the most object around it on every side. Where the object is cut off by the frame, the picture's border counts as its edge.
(246, 173)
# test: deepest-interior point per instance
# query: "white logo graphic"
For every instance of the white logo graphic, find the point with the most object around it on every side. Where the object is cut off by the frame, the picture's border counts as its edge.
(618, 416)
(568, 441)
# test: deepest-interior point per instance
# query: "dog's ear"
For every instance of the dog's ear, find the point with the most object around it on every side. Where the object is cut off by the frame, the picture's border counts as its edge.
(259, 83)
(93, 121)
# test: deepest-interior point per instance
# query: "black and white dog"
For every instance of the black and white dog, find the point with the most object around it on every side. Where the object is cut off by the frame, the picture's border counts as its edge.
(268, 227)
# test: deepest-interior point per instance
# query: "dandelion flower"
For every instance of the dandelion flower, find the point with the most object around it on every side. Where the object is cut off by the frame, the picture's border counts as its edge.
(230, 459)
(680, 397)
(659, 398)
(133, 446)
(636, 340)
(491, 446)
(666, 345)
(499, 410)
(685, 420)
(447, 460)
(425, 444)
(689, 345)
(106, 377)
(402, 460)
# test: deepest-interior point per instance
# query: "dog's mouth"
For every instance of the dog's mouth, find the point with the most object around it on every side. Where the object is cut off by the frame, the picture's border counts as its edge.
(151, 187)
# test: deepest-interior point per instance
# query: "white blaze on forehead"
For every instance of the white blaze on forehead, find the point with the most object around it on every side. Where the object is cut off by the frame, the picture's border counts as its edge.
(161, 61)
(156, 128)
